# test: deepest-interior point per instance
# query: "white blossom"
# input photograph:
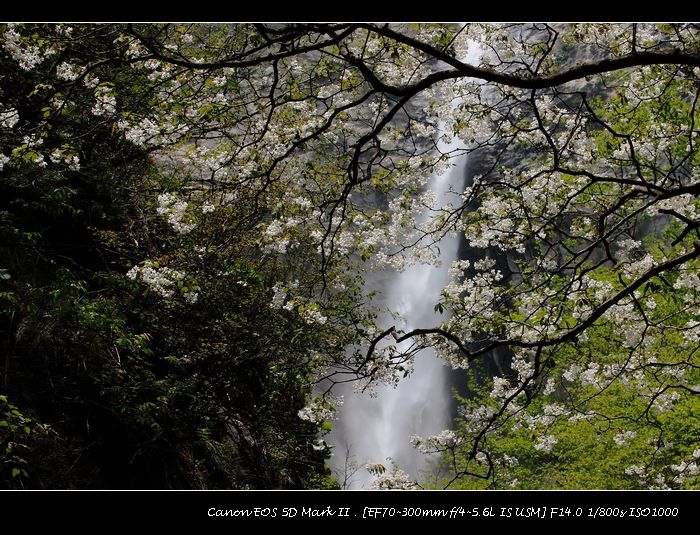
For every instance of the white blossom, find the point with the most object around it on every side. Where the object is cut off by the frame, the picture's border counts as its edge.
(501, 388)
(444, 440)
(312, 314)
(68, 72)
(636, 470)
(319, 409)
(105, 101)
(141, 134)
(279, 295)
(623, 438)
(175, 210)
(9, 118)
(545, 443)
(28, 56)
(396, 480)
(162, 280)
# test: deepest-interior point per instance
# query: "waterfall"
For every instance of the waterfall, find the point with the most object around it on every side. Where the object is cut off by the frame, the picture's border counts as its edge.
(377, 429)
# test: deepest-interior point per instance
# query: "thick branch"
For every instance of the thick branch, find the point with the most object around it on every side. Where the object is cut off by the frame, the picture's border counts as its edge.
(637, 59)
(567, 336)
(285, 52)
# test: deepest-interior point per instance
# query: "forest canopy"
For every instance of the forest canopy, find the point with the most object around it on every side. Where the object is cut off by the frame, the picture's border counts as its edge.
(189, 214)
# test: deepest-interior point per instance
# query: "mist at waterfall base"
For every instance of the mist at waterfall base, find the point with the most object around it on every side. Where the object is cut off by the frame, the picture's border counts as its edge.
(373, 430)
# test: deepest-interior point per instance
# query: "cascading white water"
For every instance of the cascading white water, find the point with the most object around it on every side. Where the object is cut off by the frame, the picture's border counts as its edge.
(377, 429)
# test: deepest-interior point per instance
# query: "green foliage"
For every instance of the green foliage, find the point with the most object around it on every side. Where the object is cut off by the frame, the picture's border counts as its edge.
(137, 391)
(15, 431)
(609, 433)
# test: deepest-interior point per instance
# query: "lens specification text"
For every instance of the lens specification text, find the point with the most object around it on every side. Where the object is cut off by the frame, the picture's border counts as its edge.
(456, 512)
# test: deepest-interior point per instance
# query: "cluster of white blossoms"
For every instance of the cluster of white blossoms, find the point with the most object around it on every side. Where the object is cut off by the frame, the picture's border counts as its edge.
(320, 409)
(105, 101)
(311, 313)
(8, 118)
(502, 389)
(72, 161)
(283, 298)
(68, 72)
(675, 474)
(394, 480)
(545, 443)
(307, 309)
(446, 439)
(27, 55)
(476, 416)
(275, 241)
(142, 134)
(279, 295)
(692, 331)
(623, 438)
(175, 211)
(471, 297)
(161, 279)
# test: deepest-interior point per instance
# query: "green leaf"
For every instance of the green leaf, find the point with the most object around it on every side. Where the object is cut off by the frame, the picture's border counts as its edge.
(15, 472)
(376, 469)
